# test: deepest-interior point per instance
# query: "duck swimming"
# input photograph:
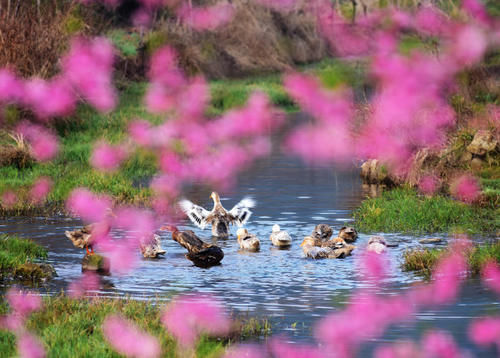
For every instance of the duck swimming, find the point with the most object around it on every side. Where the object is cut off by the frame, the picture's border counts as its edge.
(151, 248)
(376, 244)
(219, 217)
(247, 241)
(322, 232)
(280, 238)
(199, 253)
(82, 238)
(312, 250)
(348, 234)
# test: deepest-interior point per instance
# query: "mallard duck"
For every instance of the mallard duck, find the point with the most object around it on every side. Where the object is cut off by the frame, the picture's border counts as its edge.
(151, 248)
(280, 238)
(331, 249)
(199, 252)
(348, 233)
(82, 238)
(322, 232)
(219, 217)
(376, 244)
(247, 241)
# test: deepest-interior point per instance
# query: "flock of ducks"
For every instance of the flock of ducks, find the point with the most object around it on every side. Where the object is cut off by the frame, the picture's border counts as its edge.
(318, 245)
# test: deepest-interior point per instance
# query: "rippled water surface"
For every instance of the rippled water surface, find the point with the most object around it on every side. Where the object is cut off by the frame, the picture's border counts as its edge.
(293, 292)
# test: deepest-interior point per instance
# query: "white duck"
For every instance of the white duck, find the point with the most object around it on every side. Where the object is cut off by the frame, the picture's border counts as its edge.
(247, 241)
(376, 244)
(219, 217)
(280, 238)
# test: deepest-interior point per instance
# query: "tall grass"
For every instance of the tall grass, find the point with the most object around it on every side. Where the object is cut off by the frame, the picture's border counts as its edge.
(70, 327)
(404, 210)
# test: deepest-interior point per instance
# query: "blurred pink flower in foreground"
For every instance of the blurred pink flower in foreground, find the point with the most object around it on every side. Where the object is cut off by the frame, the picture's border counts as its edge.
(29, 346)
(129, 340)
(281, 349)
(428, 184)
(88, 282)
(491, 276)
(466, 188)
(9, 199)
(440, 344)
(23, 303)
(89, 206)
(187, 317)
(245, 351)
(40, 189)
(44, 144)
(106, 157)
(11, 88)
(50, 98)
(373, 266)
(485, 331)
(206, 18)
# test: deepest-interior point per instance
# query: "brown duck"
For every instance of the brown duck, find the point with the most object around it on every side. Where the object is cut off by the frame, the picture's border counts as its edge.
(199, 252)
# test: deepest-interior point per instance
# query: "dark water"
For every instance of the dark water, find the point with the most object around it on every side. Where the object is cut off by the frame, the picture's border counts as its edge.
(293, 292)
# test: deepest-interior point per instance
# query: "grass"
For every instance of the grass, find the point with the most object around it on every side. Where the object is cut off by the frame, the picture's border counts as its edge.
(17, 254)
(70, 327)
(423, 261)
(77, 134)
(404, 210)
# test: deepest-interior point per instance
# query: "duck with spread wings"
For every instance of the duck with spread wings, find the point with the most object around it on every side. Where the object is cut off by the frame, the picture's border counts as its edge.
(219, 217)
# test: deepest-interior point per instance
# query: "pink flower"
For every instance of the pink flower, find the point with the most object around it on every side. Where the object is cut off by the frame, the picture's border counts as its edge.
(282, 349)
(106, 157)
(44, 144)
(440, 344)
(88, 282)
(50, 98)
(41, 189)
(485, 331)
(187, 317)
(23, 303)
(129, 340)
(245, 351)
(448, 275)
(399, 349)
(491, 276)
(468, 46)
(428, 184)
(207, 18)
(29, 346)
(140, 132)
(89, 206)
(429, 20)
(11, 88)
(9, 199)
(163, 69)
(12, 322)
(166, 184)
(465, 188)
(476, 11)
(373, 266)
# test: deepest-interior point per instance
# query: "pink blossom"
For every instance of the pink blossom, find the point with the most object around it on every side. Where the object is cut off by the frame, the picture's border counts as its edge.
(140, 132)
(88, 67)
(468, 46)
(106, 157)
(440, 344)
(121, 253)
(428, 184)
(431, 21)
(23, 303)
(399, 349)
(207, 18)
(172, 164)
(88, 282)
(9, 198)
(187, 317)
(129, 340)
(163, 69)
(41, 189)
(465, 188)
(476, 11)
(282, 349)
(166, 184)
(12, 322)
(11, 88)
(373, 266)
(491, 276)
(89, 206)
(448, 275)
(194, 99)
(485, 331)
(50, 98)
(44, 144)
(28, 346)
(245, 351)
(159, 99)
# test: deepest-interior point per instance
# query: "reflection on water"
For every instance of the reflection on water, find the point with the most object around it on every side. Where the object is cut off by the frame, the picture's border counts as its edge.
(279, 284)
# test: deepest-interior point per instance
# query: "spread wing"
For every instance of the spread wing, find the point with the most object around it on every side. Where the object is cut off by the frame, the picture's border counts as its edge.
(241, 211)
(195, 213)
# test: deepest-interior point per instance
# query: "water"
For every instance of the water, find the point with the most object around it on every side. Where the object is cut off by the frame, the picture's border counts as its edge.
(293, 292)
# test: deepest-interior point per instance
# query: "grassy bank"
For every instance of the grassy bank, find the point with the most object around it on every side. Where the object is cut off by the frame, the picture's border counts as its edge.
(423, 260)
(18, 260)
(77, 134)
(404, 210)
(69, 327)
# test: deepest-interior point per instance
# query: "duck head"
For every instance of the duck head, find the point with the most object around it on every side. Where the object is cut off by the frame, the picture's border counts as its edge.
(322, 232)
(215, 197)
(348, 232)
(377, 239)
(242, 233)
(276, 228)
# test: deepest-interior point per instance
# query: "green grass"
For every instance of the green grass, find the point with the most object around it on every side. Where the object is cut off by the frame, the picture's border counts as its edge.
(78, 134)
(403, 210)
(423, 260)
(15, 252)
(69, 328)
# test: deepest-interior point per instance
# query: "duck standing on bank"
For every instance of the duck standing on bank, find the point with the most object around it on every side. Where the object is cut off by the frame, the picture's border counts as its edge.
(199, 253)
(219, 217)
(247, 241)
(279, 237)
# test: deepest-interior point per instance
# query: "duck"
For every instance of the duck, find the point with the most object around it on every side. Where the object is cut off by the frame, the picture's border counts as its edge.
(348, 234)
(82, 238)
(322, 232)
(376, 244)
(199, 253)
(151, 248)
(331, 249)
(247, 241)
(219, 217)
(280, 238)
